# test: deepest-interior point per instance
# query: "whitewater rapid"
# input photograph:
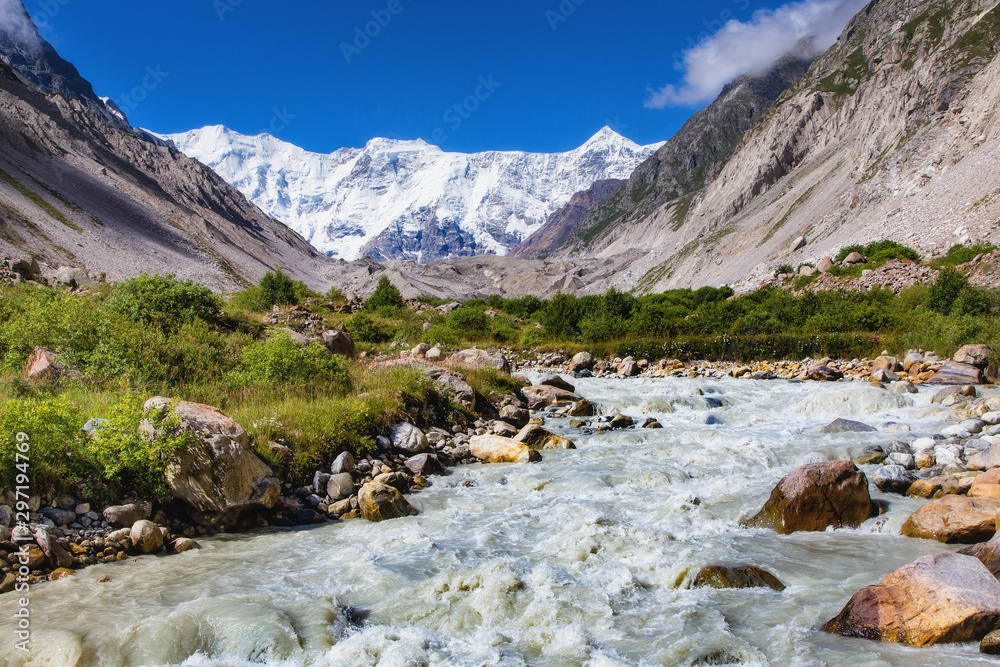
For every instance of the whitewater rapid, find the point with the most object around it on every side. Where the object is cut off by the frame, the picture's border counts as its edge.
(583, 559)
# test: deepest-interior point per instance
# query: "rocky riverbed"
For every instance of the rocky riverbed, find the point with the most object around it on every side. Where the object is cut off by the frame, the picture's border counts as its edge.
(605, 552)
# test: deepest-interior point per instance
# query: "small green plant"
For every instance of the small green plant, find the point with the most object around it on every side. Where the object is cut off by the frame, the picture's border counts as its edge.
(784, 269)
(280, 289)
(253, 299)
(961, 254)
(364, 329)
(946, 289)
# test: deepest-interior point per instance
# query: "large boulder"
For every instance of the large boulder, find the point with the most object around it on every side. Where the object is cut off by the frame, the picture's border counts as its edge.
(741, 576)
(581, 361)
(378, 502)
(215, 474)
(538, 438)
(941, 598)
(409, 439)
(540, 396)
(988, 459)
(123, 516)
(847, 426)
(954, 520)
(816, 497)
(54, 553)
(514, 415)
(494, 449)
(988, 554)
(477, 358)
(974, 355)
(146, 537)
(957, 373)
(453, 385)
(44, 365)
(558, 382)
(338, 342)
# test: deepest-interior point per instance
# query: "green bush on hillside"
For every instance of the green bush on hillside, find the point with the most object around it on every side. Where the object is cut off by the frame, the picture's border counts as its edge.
(364, 329)
(961, 254)
(163, 301)
(879, 252)
(946, 289)
(385, 297)
(282, 290)
(279, 360)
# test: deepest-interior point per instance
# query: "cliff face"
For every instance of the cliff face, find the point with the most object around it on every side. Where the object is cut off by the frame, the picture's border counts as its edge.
(566, 221)
(680, 168)
(893, 133)
(77, 188)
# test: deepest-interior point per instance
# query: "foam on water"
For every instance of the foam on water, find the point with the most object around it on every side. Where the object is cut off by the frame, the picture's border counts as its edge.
(584, 559)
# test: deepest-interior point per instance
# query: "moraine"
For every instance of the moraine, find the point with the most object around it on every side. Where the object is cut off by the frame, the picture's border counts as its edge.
(583, 559)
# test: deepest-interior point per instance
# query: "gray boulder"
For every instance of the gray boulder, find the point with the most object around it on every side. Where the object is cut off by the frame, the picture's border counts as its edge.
(892, 479)
(409, 439)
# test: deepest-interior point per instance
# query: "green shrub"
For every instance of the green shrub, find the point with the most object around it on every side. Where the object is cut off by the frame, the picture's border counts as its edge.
(163, 301)
(961, 254)
(946, 290)
(880, 252)
(280, 289)
(561, 316)
(783, 269)
(31, 317)
(278, 360)
(385, 297)
(847, 250)
(254, 299)
(470, 322)
(364, 329)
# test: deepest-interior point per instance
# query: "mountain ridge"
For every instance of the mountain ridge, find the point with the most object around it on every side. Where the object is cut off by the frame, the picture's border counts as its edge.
(408, 200)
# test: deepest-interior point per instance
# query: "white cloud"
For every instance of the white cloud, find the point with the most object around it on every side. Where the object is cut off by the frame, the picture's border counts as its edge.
(754, 47)
(16, 24)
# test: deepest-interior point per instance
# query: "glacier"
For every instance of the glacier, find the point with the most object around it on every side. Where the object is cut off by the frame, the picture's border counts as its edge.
(399, 199)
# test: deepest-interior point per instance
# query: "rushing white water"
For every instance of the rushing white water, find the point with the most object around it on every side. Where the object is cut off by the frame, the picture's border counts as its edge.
(583, 559)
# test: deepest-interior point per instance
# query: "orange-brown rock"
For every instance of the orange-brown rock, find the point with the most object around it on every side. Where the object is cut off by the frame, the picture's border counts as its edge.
(941, 598)
(988, 553)
(494, 449)
(954, 520)
(815, 497)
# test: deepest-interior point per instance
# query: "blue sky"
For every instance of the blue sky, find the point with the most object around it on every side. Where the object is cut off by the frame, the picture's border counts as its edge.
(539, 75)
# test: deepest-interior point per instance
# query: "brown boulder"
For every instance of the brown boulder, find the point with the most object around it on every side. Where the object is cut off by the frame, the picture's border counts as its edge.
(477, 358)
(494, 449)
(941, 598)
(954, 520)
(146, 537)
(743, 576)
(988, 554)
(538, 438)
(974, 355)
(338, 342)
(215, 473)
(378, 502)
(540, 396)
(956, 373)
(43, 365)
(815, 497)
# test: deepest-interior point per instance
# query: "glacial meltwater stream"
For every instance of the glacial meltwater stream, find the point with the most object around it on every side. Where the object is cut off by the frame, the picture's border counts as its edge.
(583, 559)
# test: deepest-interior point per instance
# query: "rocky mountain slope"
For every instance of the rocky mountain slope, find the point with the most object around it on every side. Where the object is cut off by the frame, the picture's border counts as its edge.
(78, 188)
(893, 133)
(409, 199)
(681, 167)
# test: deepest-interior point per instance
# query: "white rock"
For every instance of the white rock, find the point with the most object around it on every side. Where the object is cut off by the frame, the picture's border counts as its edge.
(923, 444)
(956, 431)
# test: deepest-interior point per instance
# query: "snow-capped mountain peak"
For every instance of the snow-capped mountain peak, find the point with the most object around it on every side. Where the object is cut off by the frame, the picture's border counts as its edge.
(408, 199)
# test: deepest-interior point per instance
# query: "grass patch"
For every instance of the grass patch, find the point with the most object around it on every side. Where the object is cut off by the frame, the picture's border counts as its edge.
(848, 80)
(680, 213)
(39, 201)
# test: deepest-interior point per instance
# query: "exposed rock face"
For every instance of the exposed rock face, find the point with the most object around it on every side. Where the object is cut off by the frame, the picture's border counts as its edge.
(680, 167)
(217, 475)
(564, 222)
(815, 497)
(378, 502)
(954, 519)
(118, 199)
(935, 599)
(494, 449)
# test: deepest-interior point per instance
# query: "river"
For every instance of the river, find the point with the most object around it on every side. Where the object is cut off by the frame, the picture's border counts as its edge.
(583, 559)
